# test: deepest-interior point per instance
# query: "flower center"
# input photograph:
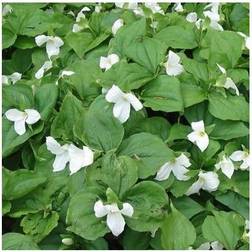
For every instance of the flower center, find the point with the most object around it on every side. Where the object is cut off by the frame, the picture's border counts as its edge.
(201, 133)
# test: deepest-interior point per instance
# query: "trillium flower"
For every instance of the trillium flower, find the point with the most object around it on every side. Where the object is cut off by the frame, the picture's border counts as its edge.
(115, 220)
(172, 66)
(154, 7)
(64, 73)
(199, 136)
(121, 109)
(243, 156)
(81, 15)
(45, 67)
(107, 62)
(13, 78)
(207, 181)
(76, 157)
(226, 166)
(192, 17)
(247, 39)
(214, 245)
(177, 166)
(213, 15)
(53, 44)
(178, 7)
(117, 25)
(229, 83)
(20, 118)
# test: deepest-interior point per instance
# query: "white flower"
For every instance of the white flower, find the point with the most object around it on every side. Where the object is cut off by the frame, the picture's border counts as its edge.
(67, 241)
(115, 220)
(29, 116)
(226, 166)
(76, 28)
(117, 25)
(172, 66)
(243, 156)
(247, 39)
(154, 7)
(6, 10)
(192, 17)
(81, 15)
(130, 6)
(66, 73)
(53, 44)
(207, 181)
(121, 109)
(229, 83)
(178, 7)
(198, 23)
(154, 25)
(98, 8)
(13, 78)
(107, 62)
(213, 15)
(199, 136)
(76, 157)
(215, 245)
(177, 166)
(45, 67)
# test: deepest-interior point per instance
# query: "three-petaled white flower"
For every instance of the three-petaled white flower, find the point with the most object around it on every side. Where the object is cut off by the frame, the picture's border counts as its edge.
(154, 7)
(13, 78)
(107, 62)
(76, 157)
(199, 136)
(122, 101)
(117, 25)
(207, 181)
(53, 44)
(172, 66)
(229, 83)
(177, 166)
(45, 67)
(178, 7)
(226, 166)
(115, 220)
(213, 15)
(243, 156)
(29, 116)
(215, 245)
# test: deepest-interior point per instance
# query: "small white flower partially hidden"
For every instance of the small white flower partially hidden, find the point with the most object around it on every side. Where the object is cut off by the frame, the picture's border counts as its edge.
(76, 157)
(122, 101)
(214, 245)
(13, 78)
(115, 220)
(20, 118)
(76, 28)
(192, 17)
(107, 62)
(229, 83)
(81, 15)
(53, 44)
(45, 67)
(64, 73)
(207, 181)
(177, 166)
(6, 10)
(117, 25)
(243, 156)
(98, 8)
(199, 136)
(67, 241)
(154, 7)
(178, 7)
(172, 66)
(226, 166)
(213, 15)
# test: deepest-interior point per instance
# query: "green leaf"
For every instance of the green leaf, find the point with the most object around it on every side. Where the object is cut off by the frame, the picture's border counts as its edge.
(16, 241)
(148, 199)
(163, 93)
(227, 228)
(9, 37)
(81, 218)
(148, 150)
(233, 107)
(178, 131)
(99, 128)
(177, 232)
(177, 37)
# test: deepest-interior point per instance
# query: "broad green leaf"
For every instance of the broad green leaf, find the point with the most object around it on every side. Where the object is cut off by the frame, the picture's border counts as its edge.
(9, 37)
(6, 207)
(225, 227)
(163, 93)
(148, 150)
(177, 232)
(178, 131)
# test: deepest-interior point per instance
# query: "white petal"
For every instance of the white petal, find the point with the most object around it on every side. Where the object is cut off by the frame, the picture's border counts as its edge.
(216, 245)
(60, 162)
(6, 9)
(211, 181)
(192, 17)
(183, 160)
(15, 115)
(66, 73)
(179, 172)
(41, 39)
(15, 77)
(202, 142)
(53, 146)
(104, 62)
(58, 41)
(45, 67)
(198, 23)
(246, 163)
(216, 26)
(204, 246)
(53, 45)
(198, 126)
(213, 16)
(85, 9)
(226, 166)
(136, 104)
(116, 223)
(164, 172)
(193, 136)
(174, 70)
(173, 58)
(178, 7)
(237, 155)
(4, 79)
(117, 25)
(76, 28)
(195, 187)
(19, 127)
(99, 209)
(127, 210)
(119, 4)
(121, 110)
(222, 69)
(80, 16)
(114, 94)
(230, 84)
(113, 58)
(32, 116)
